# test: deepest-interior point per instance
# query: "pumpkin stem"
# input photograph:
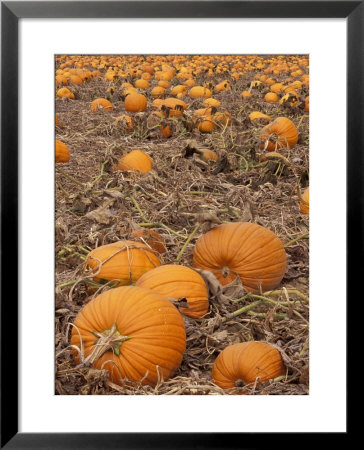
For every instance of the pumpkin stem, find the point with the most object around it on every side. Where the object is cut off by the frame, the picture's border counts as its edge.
(108, 340)
(225, 271)
(239, 382)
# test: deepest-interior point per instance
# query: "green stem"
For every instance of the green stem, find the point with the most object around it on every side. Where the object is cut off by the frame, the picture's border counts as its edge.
(242, 310)
(69, 177)
(302, 236)
(188, 240)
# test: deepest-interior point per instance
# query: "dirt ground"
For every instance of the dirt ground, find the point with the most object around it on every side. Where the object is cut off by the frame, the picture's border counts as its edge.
(96, 205)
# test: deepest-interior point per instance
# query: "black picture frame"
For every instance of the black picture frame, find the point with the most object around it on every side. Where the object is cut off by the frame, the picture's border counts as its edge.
(11, 12)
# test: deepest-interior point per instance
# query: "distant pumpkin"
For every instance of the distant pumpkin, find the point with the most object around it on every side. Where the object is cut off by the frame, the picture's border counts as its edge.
(101, 103)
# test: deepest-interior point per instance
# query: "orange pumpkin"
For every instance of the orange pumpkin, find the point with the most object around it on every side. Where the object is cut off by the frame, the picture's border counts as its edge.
(135, 102)
(141, 84)
(125, 121)
(245, 250)
(259, 117)
(65, 93)
(158, 92)
(136, 160)
(305, 202)
(150, 238)
(241, 364)
(223, 86)
(62, 152)
(245, 94)
(281, 133)
(125, 261)
(209, 155)
(101, 103)
(199, 92)
(177, 282)
(205, 124)
(134, 333)
(271, 97)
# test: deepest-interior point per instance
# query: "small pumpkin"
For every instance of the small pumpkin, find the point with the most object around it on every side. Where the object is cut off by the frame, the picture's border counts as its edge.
(135, 102)
(305, 202)
(307, 104)
(223, 86)
(205, 124)
(280, 133)
(124, 121)
(199, 92)
(65, 93)
(141, 84)
(209, 102)
(134, 333)
(62, 152)
(135, 161)
(245, 94)
(101, 103)
(209, 155)
(245, 250)
(125, 261)
(178, 282)
(241, 364)
(158, 92)
(259, 117)
(271, 97)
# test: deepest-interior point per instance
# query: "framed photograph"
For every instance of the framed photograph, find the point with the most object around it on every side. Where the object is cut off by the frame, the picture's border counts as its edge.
(158, 246)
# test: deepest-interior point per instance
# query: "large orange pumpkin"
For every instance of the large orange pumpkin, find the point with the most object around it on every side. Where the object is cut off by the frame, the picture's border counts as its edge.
(134, 333)
(136, 160)
(125, 261)
(62, 152)
(245, 250)
(281, 133)
(241, 364)
(135, 102)
(177, 282)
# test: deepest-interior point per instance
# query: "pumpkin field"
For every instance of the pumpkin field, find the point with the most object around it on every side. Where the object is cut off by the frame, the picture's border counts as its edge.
(182, 224)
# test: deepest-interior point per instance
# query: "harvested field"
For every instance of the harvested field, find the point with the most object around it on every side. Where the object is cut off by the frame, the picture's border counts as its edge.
(181, 198)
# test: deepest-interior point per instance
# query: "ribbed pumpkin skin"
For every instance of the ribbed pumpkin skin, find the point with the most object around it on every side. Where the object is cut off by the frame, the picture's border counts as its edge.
(304, 205)
(126, 261)
(246, 361)
(242, 249)
(179, 282)
(154, 325)
(62, 152)
(285, 131)
(136, 160)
